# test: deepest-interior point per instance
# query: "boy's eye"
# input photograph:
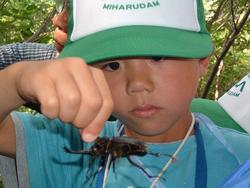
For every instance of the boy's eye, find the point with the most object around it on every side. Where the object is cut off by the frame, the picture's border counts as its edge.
(111, 66)
(157, 58)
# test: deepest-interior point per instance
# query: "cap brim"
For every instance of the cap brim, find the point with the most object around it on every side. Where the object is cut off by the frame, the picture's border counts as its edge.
(138, 41)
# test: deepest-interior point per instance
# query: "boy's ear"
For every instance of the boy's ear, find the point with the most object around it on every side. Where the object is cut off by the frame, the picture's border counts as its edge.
(203, 63)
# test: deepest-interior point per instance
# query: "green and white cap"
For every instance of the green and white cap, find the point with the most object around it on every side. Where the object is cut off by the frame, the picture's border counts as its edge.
(237, 104)
(109, 29)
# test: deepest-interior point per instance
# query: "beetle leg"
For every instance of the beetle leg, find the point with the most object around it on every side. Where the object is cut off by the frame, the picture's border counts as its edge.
(140, 167)
(113, 164)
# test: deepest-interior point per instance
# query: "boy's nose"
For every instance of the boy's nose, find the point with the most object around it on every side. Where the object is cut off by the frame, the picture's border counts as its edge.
(139, 79)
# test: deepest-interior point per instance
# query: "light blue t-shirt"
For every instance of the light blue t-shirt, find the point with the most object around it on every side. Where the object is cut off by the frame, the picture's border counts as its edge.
(50, 166)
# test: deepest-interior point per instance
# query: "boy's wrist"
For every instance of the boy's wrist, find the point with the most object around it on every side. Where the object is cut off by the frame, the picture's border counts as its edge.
(10, 98)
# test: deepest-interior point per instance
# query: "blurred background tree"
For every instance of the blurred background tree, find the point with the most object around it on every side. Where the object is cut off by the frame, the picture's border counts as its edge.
(229, 23)
(26, 20)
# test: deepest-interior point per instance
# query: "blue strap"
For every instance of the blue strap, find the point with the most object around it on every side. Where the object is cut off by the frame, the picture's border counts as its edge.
(201, 162)
(100, 176)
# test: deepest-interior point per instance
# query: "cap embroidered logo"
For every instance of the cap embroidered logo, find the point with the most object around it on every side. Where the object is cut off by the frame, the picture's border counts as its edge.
(131, 6)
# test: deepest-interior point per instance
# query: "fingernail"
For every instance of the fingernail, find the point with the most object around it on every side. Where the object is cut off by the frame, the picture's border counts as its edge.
(88, 137)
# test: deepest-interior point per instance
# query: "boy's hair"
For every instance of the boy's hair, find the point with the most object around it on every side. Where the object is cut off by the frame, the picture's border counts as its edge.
(109, 29)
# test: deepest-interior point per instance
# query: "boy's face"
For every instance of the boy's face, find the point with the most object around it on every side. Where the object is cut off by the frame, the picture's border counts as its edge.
(152, 96)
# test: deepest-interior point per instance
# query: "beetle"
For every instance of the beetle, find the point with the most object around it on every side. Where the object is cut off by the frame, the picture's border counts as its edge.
(117, 147)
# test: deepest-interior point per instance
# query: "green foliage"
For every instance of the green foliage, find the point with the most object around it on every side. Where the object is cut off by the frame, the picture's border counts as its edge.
(25, 109)
(236, 63)
(20, 19)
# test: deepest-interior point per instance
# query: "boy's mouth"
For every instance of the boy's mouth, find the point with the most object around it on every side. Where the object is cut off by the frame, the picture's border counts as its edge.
(145, 111)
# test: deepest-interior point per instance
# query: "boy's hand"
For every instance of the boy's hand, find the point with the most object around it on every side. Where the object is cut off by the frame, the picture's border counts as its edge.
(70, 90)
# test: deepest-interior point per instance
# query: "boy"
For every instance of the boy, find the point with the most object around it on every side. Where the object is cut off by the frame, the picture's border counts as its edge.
(142, 62)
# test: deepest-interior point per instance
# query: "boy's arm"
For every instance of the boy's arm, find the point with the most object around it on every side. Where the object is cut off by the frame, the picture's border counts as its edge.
(67, 89)
(7, 138)
(9, 100)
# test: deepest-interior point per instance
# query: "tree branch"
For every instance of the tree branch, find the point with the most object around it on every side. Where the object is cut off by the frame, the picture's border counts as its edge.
(217, 13)
(43, 27)
(232, 14)
(224, 51)
(2, 3)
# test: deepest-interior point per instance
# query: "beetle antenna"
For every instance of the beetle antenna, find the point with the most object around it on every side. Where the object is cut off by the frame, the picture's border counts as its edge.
(159, 154)
(140, 167)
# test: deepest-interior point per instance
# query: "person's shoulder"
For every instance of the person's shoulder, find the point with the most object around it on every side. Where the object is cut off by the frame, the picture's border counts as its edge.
(30, 45)
(235, 136)
(229, 134)
(224, 129)
(234, 141)
(26, 46)
(16, 52)
(239, 142)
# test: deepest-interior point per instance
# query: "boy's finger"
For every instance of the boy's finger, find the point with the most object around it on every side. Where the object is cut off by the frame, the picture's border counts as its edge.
(91, 99)
(69, 97)
(48, 99)
(94, 128)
